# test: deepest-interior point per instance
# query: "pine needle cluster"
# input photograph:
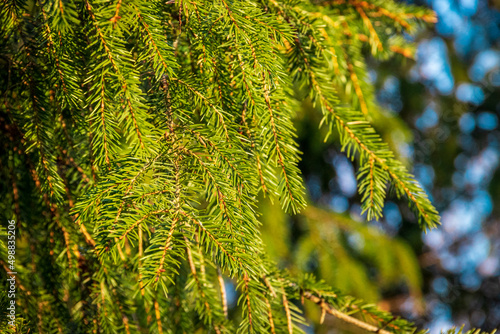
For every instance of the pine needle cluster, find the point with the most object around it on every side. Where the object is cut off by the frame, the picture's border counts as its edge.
(137, 137)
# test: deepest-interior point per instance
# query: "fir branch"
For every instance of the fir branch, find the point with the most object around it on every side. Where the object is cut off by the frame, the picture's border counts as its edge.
(155, 126)
(342, 316)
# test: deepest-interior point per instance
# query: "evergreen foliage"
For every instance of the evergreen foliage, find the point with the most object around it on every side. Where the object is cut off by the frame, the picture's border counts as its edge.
(138, 136)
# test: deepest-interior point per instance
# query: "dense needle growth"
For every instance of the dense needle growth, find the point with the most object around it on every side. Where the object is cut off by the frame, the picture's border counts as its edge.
(137, 137)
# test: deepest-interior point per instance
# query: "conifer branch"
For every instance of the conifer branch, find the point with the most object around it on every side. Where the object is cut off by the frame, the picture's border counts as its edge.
(342, 316)
(287, 312)
(270, 316)
(223, 293)
(155, 126)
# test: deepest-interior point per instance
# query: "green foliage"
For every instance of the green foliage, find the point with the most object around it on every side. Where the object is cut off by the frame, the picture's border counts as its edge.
(358, 260)
(338, 257)
(461, 331)
(138, 136)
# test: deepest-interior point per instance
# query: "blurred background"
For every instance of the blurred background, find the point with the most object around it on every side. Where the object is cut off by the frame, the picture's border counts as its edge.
(451, 100)
(440, 113)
